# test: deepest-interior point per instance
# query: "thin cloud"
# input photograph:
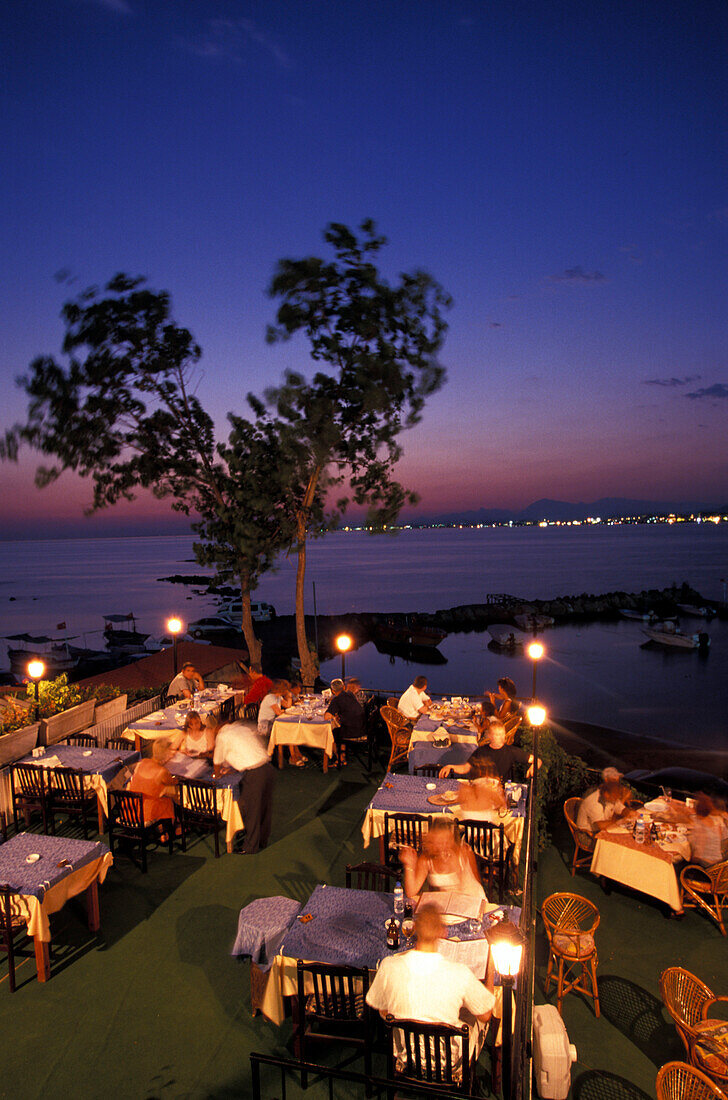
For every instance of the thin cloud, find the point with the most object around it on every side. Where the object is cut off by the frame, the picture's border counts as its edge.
(226, 39)
(632, 253)
(122, 7)
(579, 275)
(719, 389)
(671, 382)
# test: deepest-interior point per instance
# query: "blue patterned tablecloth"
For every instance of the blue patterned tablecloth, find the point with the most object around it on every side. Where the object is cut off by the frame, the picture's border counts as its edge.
(429, 725)
(192, 767)
(38, 877)
(262, 926)
(423, 752)
(104, 762)
(409, 794)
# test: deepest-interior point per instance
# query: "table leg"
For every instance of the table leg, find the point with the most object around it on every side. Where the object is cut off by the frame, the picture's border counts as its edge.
(92, 906)
(381, 848)
(137, 742)
(326, 763)
(42, 959)
(229, 846)
(100, 809)
(280, 756)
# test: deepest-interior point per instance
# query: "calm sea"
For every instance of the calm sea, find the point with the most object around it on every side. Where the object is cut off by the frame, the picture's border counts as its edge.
(597, 672)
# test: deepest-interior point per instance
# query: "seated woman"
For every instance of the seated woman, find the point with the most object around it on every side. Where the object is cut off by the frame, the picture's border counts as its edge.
(708, 833)
(484, 715)
(444, 863)
(196, 738)
(157, 786)
(483, 799)
(504, 699)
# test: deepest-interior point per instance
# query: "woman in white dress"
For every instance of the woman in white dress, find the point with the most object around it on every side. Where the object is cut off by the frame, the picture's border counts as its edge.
(443, 864)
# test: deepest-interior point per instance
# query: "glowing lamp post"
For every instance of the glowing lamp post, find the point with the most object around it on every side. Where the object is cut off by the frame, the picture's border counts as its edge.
(507, 947)
(343, 643)
(535, 651)
(174, 626)
(36, 668)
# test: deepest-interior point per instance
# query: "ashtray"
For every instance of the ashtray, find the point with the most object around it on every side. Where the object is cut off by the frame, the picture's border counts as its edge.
(430, 786)
(441, 742)
(87, 753)
(32, 858)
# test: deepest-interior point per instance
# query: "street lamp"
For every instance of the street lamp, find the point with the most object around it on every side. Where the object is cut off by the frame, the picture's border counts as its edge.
(535, 651)
(343, 643)
(174, 626)
(507, 946)
(36, 668)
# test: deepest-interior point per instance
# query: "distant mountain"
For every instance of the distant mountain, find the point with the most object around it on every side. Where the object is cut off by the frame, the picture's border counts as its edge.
(606, 507)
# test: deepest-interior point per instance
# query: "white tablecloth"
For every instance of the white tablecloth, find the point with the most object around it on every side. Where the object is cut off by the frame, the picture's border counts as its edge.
(640, 866)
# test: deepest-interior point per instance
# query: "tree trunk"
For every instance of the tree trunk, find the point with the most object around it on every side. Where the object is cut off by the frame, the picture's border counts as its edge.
(254, 646)
(309, 661)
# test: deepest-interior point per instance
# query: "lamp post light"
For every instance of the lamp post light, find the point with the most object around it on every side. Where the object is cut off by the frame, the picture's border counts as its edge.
(507, 946)
(343, 643)
(174, 626)
(535, 651)
(36, 668)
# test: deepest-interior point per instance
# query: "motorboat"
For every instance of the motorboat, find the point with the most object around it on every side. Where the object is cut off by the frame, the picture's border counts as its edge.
(638, 616)
(122, 635)
(506, 636)
(55, 653)
(668, 634)
(694, 612)
(409, 632)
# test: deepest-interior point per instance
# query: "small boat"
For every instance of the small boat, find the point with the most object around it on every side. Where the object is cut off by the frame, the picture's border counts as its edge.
(694, 612)
(534, 622)
(122, 635)
(55, 653)
(507, 637)
(638, 616)
(668, 634)
(410, 632)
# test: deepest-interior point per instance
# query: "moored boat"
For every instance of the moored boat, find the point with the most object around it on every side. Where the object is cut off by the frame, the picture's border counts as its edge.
(694, 612)
(638, 616)
(411, 632)
(507, 637)
(668, 634)
(55, 653)
(122, 635)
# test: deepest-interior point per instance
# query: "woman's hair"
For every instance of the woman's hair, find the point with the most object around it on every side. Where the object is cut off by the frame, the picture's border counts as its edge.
(508, 686)
(190, 715)
(161, 749)
(442, 825)
(704, 805)
(485, 769)
(487, 707)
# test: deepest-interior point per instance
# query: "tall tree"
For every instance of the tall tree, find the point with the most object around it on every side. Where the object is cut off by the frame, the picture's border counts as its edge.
(379, 344)
(123, 412)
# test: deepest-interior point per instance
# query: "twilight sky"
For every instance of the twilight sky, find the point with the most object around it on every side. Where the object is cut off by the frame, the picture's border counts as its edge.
(559, 167)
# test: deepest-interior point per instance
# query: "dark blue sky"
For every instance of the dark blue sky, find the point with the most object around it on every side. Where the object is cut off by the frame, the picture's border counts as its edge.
(560, 167)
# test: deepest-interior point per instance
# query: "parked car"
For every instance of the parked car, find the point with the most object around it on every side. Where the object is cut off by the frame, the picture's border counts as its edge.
(261, 612)
(211, 624)
(165, 641)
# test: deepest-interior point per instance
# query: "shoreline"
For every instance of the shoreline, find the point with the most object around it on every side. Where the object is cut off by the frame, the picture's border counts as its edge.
(601, 746)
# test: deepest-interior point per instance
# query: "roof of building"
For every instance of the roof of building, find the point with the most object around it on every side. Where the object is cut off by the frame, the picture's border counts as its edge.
(158, 668)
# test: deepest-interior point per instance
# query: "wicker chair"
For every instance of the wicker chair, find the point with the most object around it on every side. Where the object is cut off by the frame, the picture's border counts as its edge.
(511, 726)
(400, 732)
(706, 888)
(688, 1000)
(583, 839)
(679, 1081)
(571, 922)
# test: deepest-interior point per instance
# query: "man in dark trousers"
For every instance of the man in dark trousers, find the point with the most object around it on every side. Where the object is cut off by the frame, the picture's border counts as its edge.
(238, 748)
(346, 715)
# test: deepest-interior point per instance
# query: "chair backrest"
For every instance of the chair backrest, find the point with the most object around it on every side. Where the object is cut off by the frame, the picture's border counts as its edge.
(680, 1081)
(718, 875)
(332, 992)
(511, 726)
(29, 780)
(83, 740)
(370, 876)
(569, 913)
(427, 771)
(119, 743)
(199, 798)
(582, 837)
(683, 995)
(127, 809)
(401, 829)
(434, 1053)
(67, 783)
(488, 842)
(395, 720)
(392, 702)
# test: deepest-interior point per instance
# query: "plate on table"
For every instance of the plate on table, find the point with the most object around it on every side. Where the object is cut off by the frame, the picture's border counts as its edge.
(33, 857)
(87, 753)
(447, 798)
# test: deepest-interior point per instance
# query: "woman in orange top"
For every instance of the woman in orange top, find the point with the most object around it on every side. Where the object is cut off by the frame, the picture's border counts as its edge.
(157, 785)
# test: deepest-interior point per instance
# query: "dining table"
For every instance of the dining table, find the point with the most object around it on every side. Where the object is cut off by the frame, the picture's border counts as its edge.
(458, 731)
(650, 867)
(228, 789)
(102, 769)
(43, 872)
(340, 926)
(303, 724)
(413, 793)
(162, 723)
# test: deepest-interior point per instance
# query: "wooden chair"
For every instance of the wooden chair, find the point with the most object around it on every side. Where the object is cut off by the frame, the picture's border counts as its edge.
(435, 1054)
(511, 726)
(679, 1081)
(370, 876)
(82, 740)
(393, 701)
(67, 795)
(227, 710)
(198, 810)
(30, 793)
(400, 732)
(250, 711)
(427, 771)
(571, 922)
(688, 1001)
(13, 927)
(706, 888)
(126, 823)
(583, 839)
(400, 830)
(491, 854)
(120, 744)
(332, 998)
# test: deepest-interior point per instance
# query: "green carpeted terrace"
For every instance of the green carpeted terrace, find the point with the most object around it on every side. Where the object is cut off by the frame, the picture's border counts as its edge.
(155, 1007)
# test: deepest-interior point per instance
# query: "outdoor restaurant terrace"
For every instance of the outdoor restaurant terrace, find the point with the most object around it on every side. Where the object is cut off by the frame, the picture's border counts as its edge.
(152, 1003)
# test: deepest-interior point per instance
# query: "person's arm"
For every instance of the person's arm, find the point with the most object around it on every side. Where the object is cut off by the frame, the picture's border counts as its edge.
(415, 871)
(169, 784)
(199, 681)
(454, 769)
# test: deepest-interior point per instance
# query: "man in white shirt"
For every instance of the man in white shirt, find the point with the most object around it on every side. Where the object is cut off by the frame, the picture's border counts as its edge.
(605, 804)
(423, 985)
(415, 700)
(238, 749)
(186, 683)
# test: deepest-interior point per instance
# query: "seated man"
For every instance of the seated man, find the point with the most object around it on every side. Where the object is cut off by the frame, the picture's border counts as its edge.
(272, 705)
(603, 805)
(186, 683)
(238, 749)
(415, 701)
(260, 685)
(347, 717)
(353, 685)
(423, 985)
(496, 753)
